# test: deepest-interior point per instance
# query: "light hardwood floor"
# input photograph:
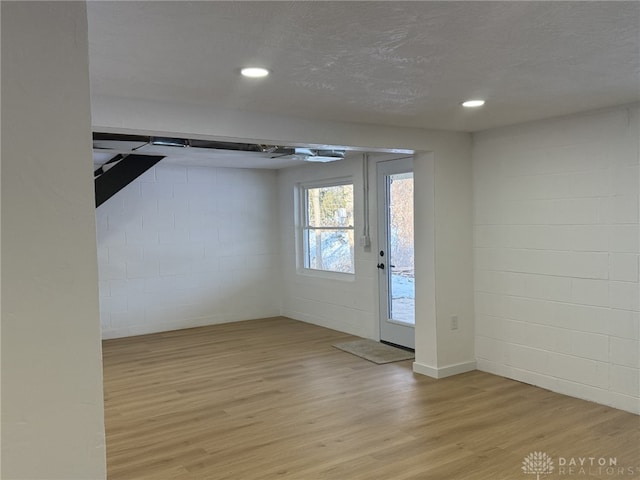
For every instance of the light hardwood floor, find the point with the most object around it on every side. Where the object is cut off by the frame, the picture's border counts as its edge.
(271, 398)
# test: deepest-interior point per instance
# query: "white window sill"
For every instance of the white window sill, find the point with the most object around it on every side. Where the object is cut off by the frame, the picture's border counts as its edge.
(326, 275)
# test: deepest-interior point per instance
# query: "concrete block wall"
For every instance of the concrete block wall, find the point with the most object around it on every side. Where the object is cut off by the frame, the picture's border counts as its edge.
(347, 303)
(188, 246)
(556, 244)
(556, 247)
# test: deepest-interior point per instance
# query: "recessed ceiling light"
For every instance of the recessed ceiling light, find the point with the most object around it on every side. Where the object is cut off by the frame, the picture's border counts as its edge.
(254, 72)
(473, 103)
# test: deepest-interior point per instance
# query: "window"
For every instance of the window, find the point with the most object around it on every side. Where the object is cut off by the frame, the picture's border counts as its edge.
(327, 227)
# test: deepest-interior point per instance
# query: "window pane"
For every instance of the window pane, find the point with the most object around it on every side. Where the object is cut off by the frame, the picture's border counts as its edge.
(330, 206)
(330, 250)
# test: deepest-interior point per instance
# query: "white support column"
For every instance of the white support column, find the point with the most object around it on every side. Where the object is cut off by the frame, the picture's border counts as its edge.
(52, 406)
(444, 262)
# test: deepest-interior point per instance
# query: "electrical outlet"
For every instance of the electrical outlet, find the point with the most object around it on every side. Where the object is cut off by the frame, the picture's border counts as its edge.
(454, 322)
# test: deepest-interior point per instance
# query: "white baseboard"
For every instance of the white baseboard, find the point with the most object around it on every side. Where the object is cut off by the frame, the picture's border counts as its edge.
(322, 322)
(147, 328)
(563, 386)
(443, 372)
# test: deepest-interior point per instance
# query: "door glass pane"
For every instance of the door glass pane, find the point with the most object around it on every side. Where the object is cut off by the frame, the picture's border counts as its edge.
(401, 259)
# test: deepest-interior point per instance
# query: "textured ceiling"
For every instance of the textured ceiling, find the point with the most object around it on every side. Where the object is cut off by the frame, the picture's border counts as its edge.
(389, 63)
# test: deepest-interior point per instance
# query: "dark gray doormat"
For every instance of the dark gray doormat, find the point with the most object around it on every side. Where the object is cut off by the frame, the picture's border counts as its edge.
(374, 351)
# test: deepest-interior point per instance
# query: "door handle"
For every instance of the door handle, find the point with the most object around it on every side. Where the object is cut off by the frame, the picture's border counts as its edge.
(381, 266)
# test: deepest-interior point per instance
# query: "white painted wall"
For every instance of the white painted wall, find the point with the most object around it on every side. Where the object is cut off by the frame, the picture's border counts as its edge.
(438, 352)
(556, 243)
(52, 408)
(347, 303)
(186, 246)
(444, 267)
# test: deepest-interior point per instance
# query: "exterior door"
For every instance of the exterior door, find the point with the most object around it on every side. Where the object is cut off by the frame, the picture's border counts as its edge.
(396, 252)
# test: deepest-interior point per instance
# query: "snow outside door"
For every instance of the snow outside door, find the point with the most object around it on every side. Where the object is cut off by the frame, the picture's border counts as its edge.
(396, 252)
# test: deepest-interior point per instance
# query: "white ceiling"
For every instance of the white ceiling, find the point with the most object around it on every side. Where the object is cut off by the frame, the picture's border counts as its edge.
(390, 63)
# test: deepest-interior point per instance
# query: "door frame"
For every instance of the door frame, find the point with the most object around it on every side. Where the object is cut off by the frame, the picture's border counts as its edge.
(385, 168)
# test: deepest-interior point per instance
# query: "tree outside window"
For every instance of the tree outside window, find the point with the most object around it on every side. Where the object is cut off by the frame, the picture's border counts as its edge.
(328, 228)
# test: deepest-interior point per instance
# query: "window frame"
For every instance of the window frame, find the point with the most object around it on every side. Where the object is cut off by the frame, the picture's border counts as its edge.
(305, 227)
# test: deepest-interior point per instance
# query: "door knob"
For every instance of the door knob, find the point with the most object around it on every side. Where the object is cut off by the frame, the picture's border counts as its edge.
(381, 266)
